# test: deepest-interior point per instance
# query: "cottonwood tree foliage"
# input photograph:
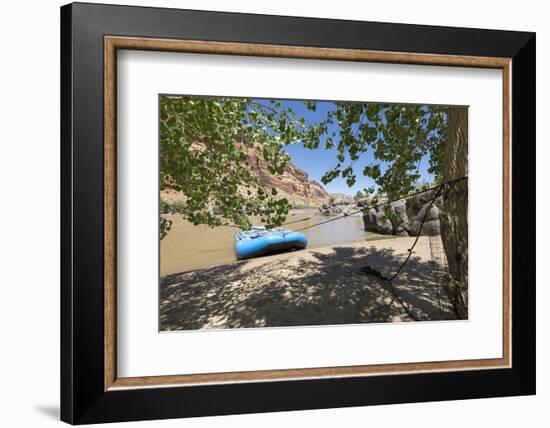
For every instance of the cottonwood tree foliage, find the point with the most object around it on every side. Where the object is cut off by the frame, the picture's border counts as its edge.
(398, 137)
(204, 144)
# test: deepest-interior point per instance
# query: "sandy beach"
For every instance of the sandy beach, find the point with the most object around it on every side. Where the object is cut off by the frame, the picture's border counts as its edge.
(320, 286)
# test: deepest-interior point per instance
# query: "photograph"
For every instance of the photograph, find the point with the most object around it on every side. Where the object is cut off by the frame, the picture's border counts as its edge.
(289, 212)
(277, 208)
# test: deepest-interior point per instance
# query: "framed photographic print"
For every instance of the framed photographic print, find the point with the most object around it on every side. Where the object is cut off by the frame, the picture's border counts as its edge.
(265, 213)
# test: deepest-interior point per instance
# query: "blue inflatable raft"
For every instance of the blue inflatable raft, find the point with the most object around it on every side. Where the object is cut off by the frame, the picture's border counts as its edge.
(260, 241)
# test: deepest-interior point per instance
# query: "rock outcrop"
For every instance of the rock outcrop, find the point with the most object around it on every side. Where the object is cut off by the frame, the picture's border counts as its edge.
(293, 184)
(375, 220)
(399, 218)
(404, 218)
(431, 223)
(340, 204)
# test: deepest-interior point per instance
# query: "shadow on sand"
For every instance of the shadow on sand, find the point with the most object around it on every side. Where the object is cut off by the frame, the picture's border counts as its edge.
(317, 289)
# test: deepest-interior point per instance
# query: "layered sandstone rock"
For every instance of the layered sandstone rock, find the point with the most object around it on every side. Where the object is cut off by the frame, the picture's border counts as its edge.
(293, 184)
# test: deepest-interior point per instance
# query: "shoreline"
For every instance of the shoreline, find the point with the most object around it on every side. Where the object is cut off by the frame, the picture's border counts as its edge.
(188, 247)
(268, 258)
(319, 286)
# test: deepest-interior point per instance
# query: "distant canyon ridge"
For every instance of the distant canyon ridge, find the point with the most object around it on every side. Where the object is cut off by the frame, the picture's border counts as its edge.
(295, 185)
(404, 219)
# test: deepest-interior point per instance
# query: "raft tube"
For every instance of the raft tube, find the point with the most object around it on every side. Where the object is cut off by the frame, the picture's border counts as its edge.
(260, 241)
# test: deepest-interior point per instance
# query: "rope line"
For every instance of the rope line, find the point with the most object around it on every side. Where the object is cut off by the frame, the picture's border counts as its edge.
(367, 270)
(410, 250)
(384, 203)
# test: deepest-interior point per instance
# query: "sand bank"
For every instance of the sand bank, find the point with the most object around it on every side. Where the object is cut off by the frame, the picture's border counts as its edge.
(311, 287)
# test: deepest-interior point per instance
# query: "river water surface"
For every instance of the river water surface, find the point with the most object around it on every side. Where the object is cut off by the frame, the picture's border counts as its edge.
(188, 247)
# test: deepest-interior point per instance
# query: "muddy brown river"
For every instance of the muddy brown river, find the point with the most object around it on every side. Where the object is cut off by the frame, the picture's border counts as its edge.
(188, 247)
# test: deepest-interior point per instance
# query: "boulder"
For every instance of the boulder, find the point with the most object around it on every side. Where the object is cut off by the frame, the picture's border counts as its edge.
(339, 204)
(383, 224)
(352, 210)
(369, 220)
(431, 225)
(332, 210)
(342, 200)
(363, 202)
(400, 219)
(404, 218)
(375, 221)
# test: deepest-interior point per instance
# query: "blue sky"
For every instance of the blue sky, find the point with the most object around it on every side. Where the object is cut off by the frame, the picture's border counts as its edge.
(317, 162)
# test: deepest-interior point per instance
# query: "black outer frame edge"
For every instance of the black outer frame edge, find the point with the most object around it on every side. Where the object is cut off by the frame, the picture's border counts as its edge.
(168, 403)
(138, 21)
(524, 218)
(83, 398)
(66, 315)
